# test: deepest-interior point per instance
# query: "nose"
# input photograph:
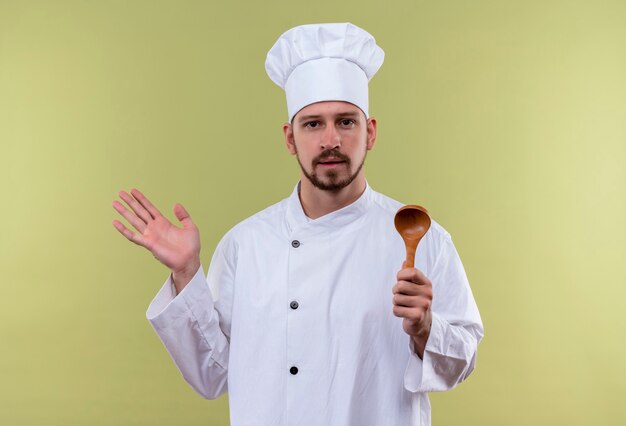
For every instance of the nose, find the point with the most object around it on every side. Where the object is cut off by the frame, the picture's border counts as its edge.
(331, 138)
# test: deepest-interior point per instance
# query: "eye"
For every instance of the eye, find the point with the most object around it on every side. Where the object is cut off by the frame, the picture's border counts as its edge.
(347, 122)
(312, 124)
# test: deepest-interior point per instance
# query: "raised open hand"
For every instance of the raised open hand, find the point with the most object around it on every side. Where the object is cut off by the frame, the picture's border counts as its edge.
(177, 248)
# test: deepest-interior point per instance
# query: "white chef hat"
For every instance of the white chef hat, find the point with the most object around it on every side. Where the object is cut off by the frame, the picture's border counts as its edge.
(324, 62)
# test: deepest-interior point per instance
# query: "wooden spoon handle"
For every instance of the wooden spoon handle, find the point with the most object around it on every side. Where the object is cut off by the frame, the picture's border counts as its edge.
(411, 247)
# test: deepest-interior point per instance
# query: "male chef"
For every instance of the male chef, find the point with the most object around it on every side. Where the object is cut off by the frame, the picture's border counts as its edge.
(307, 315)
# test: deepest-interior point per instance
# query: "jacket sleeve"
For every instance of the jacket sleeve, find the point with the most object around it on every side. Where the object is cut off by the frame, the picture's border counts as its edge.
(450, 352)
(194, 325)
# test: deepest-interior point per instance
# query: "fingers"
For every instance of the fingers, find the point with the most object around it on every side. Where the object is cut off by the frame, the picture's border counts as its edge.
(183, 215)
(411, 314)
(412, 307)
(412, 289)
(400, 299)
(131, 218)
(139, 210)
(413, 275)
(413, 282)
(131, 236)
(403, 300)
(154, 212)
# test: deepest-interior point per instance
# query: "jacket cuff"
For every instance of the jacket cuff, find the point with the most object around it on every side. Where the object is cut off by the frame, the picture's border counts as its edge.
(167, 304)
(419, 372)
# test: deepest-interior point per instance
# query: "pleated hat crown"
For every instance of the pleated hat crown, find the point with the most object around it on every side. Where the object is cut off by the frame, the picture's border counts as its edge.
(324, 62)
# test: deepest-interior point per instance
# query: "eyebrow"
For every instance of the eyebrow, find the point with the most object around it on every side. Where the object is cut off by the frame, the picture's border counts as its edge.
(317, 116)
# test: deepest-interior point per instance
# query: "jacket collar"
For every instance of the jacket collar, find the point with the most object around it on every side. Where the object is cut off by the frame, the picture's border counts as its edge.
(297, 220)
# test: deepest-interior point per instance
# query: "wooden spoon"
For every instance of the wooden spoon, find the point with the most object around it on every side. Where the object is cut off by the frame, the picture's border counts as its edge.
(412, 222)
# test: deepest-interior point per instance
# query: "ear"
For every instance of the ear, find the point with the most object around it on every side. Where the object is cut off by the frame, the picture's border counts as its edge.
(371, 133)
(289, 141)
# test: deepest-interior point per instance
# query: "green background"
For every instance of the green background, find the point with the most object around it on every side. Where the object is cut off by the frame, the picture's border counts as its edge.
(506, 119)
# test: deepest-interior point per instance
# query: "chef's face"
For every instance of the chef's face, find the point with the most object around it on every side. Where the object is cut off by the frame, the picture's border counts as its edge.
(330, 140)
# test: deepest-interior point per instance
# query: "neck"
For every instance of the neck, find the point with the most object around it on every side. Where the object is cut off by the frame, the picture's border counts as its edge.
(317, 203)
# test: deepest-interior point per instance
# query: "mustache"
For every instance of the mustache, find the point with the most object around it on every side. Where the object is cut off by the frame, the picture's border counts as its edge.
(334, 153)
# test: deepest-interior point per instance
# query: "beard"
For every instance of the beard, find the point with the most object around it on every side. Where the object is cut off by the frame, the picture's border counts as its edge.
(333, 182)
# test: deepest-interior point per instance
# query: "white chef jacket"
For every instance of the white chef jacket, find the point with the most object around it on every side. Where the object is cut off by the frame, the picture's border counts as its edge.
(295, 319)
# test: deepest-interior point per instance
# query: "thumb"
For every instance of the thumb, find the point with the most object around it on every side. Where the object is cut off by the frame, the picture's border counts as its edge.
(182, 215)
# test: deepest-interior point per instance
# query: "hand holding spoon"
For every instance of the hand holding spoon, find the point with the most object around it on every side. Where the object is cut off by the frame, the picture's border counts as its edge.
(412, 222)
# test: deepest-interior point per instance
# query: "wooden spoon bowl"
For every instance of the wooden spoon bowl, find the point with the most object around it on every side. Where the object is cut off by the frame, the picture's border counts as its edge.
(412, 222)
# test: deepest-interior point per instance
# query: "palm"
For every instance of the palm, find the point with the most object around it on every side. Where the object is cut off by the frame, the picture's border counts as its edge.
(172, 245)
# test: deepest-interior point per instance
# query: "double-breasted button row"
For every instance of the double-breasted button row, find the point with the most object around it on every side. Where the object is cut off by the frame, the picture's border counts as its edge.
(294, 305)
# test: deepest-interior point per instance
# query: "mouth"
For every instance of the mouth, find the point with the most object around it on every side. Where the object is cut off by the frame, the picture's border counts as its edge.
(331, 163)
